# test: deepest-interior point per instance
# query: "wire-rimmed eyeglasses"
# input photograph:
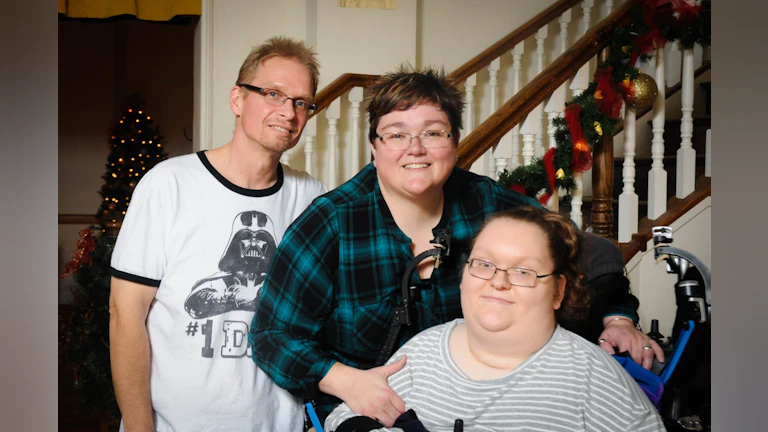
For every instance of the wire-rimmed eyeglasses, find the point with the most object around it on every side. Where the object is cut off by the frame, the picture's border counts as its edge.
(428, 138)
(517, 276)
(278, 98)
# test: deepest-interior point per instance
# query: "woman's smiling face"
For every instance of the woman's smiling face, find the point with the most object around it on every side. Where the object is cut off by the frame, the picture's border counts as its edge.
(416, 171)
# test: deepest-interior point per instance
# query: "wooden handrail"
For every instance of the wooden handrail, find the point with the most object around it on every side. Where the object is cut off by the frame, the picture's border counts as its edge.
(676, 207)
(339, 86)
(509, 41)
(489, 132)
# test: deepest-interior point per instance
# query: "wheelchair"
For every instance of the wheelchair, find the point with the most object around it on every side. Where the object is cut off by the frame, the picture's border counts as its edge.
(680, 388)
(686, 401)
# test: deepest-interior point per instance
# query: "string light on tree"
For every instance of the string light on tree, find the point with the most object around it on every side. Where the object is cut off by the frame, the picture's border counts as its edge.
(123, 170)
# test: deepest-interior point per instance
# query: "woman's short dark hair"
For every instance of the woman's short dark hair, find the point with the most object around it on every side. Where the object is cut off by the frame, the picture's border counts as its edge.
(564, 245)
(406, 88)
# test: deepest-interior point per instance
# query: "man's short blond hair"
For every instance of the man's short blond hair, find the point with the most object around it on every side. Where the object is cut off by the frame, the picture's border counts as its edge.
(280, 46)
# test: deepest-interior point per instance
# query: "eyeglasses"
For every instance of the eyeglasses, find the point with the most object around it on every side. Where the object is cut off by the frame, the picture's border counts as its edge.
(429, 139)
(515, 275)
(278, 98)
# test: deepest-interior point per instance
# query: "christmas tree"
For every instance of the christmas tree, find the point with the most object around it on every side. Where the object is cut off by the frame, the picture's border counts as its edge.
(135, 147)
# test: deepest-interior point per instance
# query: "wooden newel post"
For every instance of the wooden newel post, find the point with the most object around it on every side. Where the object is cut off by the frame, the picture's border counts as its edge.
(602, 180)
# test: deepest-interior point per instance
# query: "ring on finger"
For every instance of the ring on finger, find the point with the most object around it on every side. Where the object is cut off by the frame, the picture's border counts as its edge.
(601, 340)
(647, 347)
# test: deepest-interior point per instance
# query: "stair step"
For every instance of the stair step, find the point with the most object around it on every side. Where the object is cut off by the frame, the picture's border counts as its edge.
(642, 170)
(672, 134)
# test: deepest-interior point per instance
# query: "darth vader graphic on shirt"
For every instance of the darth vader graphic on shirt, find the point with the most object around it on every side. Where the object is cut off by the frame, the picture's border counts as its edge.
(243, 268)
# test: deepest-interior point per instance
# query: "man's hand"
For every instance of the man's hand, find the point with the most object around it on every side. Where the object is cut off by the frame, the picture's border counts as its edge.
(621, 333)
(366, 392)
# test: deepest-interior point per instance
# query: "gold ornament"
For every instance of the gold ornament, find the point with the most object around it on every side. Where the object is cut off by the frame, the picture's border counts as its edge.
(560, 174)
(645, 92)
(598, 128)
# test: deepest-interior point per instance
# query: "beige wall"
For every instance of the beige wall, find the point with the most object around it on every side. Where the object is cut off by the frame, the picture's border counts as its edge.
(421, 32)
(237, 27)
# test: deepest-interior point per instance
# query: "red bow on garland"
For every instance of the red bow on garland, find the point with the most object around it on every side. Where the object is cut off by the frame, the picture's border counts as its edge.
(607, 98)
(582, 154)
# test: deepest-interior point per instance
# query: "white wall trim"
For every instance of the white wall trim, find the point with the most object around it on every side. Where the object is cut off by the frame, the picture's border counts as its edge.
(203, 79)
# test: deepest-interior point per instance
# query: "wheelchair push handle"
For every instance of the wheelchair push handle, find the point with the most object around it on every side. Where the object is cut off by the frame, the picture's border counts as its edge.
(442, 242)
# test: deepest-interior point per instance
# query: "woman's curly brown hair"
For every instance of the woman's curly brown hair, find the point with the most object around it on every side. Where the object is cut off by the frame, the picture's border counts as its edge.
(565, 245)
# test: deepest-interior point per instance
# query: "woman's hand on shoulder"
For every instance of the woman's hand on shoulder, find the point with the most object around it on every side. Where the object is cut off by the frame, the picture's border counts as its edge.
(366, 392)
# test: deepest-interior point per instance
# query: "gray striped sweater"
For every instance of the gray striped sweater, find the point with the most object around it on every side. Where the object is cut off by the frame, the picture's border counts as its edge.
(568, 385)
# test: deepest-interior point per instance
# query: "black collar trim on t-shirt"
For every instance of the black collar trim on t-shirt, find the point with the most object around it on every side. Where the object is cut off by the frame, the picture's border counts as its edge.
(240, 190)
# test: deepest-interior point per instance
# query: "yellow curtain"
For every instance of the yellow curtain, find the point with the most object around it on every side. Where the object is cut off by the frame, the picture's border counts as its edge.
(149, 10)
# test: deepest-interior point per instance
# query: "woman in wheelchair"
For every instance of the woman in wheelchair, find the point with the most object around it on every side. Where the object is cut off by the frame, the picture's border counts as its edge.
(508, 364)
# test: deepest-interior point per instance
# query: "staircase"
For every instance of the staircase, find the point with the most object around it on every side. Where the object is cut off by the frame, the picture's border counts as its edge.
(523, 81)
(672, 140)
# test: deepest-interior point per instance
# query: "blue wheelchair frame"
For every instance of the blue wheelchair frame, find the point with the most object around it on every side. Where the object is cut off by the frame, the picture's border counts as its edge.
(694, 306)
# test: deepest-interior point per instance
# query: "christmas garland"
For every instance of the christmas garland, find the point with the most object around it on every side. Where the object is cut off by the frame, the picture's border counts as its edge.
(597, 110)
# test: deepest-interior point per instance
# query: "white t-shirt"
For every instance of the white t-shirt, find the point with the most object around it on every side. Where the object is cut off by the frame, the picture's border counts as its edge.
(206, 244)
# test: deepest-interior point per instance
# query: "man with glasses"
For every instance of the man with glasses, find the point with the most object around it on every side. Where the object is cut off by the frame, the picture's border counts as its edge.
(192, 254)
(333, 287)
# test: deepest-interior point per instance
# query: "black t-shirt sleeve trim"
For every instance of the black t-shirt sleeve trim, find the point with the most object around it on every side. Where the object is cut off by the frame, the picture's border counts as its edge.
(134, 278)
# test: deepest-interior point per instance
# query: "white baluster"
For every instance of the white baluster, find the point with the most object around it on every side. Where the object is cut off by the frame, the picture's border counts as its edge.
(657, 177)
(577, 199)
(607, 8)
(554, 109)
(628, 203)
(686, 155)
(564, 20)
(310, 131)
(469, 95)
(528, 130)
(578, 85)
(708, 154)
(541, 37)
(586, 7)
(517, 56)
(353, 161)
(332, 113)
(502, 154)
(285, 158)
(493, 72)
(581, 79)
